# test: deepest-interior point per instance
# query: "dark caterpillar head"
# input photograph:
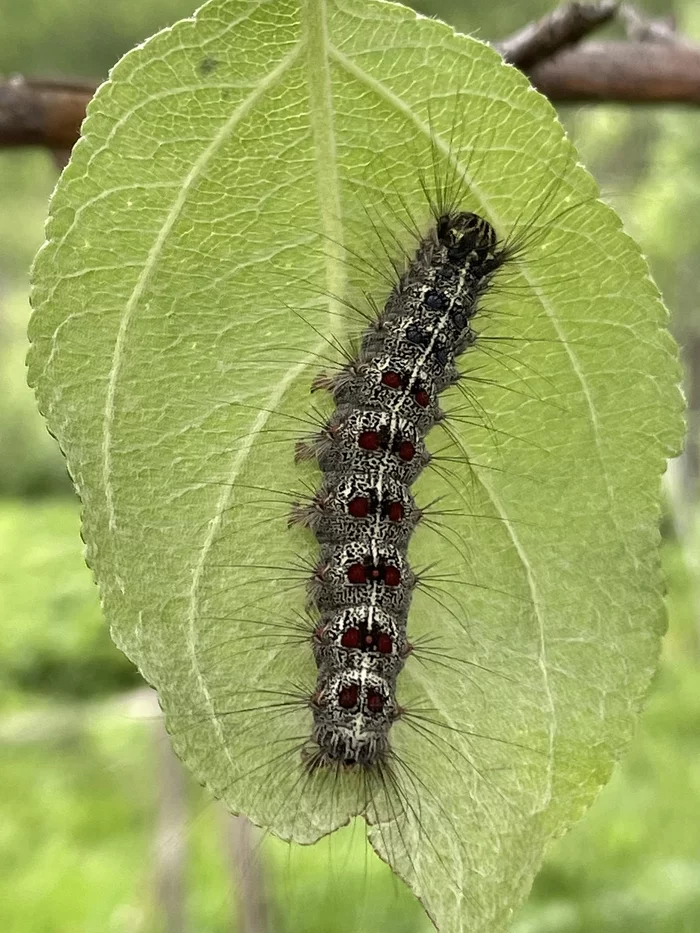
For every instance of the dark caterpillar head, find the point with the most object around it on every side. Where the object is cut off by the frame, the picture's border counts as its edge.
(353, 711)
(465, 233)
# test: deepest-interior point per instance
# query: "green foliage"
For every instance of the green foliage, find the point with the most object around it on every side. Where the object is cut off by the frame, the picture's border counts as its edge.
(650, 162)
(53, 640)
(213, 163)
(92, 35)
(77, 843)
(26, 180)
(630, 864)
(30, 462)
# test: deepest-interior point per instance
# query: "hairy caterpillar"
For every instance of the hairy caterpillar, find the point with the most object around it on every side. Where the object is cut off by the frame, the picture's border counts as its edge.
(387, 401)
(331, 748)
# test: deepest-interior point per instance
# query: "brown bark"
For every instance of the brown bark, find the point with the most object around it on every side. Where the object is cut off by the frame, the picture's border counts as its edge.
(42, 113)
(627, 72)
(559, 29)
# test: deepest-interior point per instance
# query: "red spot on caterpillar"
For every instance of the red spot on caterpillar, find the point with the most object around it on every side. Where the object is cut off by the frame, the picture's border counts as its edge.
(357, 573)
(406, 450)
(384, 644)
(392, 576)
(371, 615)
(348, 696)
(394, 512)
(369, 440)
(359, 507)
(391, 379)
(351, 638)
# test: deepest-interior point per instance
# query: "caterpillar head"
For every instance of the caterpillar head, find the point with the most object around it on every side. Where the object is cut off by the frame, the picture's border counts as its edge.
(465, 235)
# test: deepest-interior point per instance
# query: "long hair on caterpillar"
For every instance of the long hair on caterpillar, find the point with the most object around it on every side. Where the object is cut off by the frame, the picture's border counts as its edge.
(277, 867)
(247, 869)
(390, 795)
(309, 630)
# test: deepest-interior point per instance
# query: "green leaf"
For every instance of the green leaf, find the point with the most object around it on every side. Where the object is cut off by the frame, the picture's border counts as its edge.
(232, 173)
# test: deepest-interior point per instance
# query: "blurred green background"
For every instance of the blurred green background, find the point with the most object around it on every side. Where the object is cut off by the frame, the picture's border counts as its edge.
(99, 828)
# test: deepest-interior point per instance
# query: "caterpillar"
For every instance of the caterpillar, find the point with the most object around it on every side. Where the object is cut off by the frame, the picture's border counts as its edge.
(332, 750)
(371, 451)
(332, 739)
(348, 702)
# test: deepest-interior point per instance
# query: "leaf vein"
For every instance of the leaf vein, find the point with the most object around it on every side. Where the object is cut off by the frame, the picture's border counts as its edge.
(154, 254)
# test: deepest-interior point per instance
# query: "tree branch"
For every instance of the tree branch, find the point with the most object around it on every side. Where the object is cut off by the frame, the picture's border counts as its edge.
(563, 27)
(653, 66)
(42, 113)
(626, 72)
